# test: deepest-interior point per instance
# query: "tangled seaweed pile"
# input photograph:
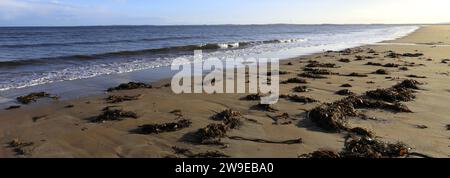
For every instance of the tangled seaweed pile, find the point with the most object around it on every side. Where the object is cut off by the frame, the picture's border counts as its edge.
(381, 72)
(253, 97)
(345, 92)
(113, 99)
(33, 97)
(209, 154)
(301, 89)
(295, 80)
(213, 133)
(318, 71)
(333, 116)
(161, 128)
(109, 114)
(313, 64)
(129, 86)
(392, 94)
(364, 147)
(230, 118)
(299, 99)
(312, 75)
(20, 147)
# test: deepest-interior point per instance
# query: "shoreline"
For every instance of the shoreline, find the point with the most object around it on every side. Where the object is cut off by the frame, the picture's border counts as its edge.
(67, 132)
(70, 89)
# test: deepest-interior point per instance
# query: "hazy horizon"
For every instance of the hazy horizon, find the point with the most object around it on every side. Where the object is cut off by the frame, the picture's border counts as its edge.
(18, 13)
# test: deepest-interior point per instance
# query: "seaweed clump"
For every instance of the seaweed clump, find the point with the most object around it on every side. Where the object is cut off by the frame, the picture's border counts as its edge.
(364, 147)
(167, 127)
(230, 118)
(118, 99)
(20, 147)
(409, 84)
(109, 114)
(416, 76)
(318, 71)
(265, 107)
(312, 75)
(344, 60)
(212, 133)
(129, 86)
(33, 97)
(253, 97)
(391, 65)
(295, 80)
(322, 154)
(371, 148)
(374, 64)
(332, 117)
(299, 99)
(354, 74)
(381, 72)
(322, 65)
(392, 94)
(345, 92)
(301, 89)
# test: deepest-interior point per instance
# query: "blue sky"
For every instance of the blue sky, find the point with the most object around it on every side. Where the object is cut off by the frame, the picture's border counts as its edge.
(171, 12)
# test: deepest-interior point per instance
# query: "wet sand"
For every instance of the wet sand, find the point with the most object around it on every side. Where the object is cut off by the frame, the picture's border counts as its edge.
(65, 128)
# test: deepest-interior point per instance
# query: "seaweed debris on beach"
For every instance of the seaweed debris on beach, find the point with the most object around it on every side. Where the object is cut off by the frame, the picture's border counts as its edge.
(295, 80)
(161, 128)
(113, 99)
(33, 97)
(299, 99)
(109, 114)
(129, 86)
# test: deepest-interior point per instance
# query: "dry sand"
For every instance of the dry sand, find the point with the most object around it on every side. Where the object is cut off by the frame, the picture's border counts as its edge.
(68, 132)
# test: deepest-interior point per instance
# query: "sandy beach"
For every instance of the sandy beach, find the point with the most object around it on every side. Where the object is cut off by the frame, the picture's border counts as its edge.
(68, 128)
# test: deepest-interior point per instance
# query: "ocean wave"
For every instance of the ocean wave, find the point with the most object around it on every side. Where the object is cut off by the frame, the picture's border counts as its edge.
(118, 54)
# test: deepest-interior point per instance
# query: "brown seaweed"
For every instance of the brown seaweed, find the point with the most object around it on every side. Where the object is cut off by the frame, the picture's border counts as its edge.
(288, 142)
(318, 71)
(33, 97)
(232, 119)
(311, 75)
(299, 99)
(392, 94)
(295, 80)
(321, 65)
(344, 60)
(19, 147)
(374, 64)
(161, 128)
(129, 86)
(109, 114)
(301, 89)
(354, 74)
(372, 148)
(212, 133)
(381, 72)
(416, 76)
(346, 85)
(345, 92)
(322, 154)
(113, 99)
